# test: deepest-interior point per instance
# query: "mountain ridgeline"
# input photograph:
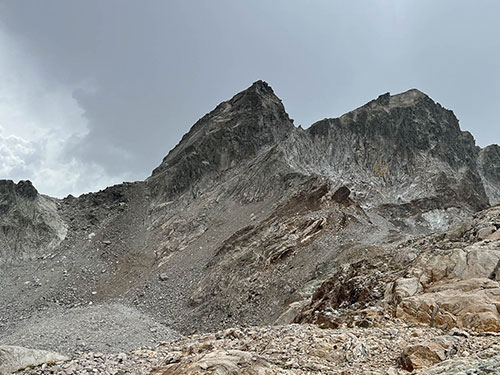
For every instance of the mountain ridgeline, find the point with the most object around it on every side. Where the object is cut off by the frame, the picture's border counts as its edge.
(250, 220)
(395, 150)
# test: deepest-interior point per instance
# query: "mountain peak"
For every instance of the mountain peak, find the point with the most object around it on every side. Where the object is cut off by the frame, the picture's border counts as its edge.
(258, 95)
(261, 85)
(405, 99)
(237, 129)
(23, 188)
(261, 88)
(385, 103)
(409, 97)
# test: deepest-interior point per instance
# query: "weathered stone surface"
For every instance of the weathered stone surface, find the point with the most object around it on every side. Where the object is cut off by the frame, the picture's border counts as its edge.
(486, 232)
(405, 287)
(489, 163)
(223, 362)
(236, 130)
(293, 349)
(341, 194)
(460, 285)
(23, 188)
(30, 223)
(13, 358)
(422, 355)
(471, 304)
(476, 366)
(494, 236)
(470, 262)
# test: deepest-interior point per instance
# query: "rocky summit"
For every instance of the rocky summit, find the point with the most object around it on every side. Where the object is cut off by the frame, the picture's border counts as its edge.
(364, 244)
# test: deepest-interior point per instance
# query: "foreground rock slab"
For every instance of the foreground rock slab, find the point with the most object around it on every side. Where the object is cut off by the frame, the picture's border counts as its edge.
(296, 349)
(13, 358)
(454, 282)
(221, 362)
(422, 355)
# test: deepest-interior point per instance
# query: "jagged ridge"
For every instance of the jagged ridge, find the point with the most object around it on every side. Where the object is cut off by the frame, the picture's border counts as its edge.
(235, 130)
(240, 220)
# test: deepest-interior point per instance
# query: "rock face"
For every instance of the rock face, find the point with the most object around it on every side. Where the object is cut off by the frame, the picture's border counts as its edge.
(236, 130)
(398, 150)
(353, 222)
(13, 358)
(489, 161)
(458, 283)
(29, 222)
(223, 362)
(422, 355)
(449, 280)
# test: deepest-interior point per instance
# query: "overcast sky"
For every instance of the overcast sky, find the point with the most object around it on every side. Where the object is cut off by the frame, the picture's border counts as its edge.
(95, 92)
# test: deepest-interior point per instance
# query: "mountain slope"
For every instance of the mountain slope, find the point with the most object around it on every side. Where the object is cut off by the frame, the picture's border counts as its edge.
(398, 153)
(489, 167)
(244, 219)
(30, 224)
(236, 130)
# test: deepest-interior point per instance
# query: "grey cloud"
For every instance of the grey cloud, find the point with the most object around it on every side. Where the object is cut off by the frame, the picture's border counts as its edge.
(15, 155)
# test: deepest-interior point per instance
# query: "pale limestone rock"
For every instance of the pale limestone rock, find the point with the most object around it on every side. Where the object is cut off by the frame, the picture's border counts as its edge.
(422, 355)
(485, 232)
(495, 236)
(460, 288)
(457, 232)
(293, 310)
(407, 287)
(221, 362)
(13, 358)
(472, 262)
(472, 304)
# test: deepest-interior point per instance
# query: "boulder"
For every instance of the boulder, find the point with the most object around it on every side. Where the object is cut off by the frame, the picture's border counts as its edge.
(163, 276)
(457, 232)
(485, 232)
(402, 288)
(472, 304)
(222, 362)
(422, 355)
(495, 236)
(457, 287)
(13, 358)
(341, 195)
(471, 262)
(293, 310)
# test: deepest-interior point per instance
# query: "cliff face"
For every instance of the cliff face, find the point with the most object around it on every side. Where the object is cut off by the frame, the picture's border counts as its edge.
(248, 216)
(407, 147)
(402, 156)
(489, 167)
(29, 222)
(238, 129)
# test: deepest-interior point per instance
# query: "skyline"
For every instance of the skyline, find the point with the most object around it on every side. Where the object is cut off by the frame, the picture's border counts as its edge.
(95, 93)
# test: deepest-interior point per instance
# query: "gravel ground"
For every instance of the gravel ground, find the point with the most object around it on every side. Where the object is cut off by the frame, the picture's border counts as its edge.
(102, 328)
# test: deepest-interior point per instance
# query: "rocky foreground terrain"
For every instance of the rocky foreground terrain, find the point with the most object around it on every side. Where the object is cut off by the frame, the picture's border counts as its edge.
(366, 244)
